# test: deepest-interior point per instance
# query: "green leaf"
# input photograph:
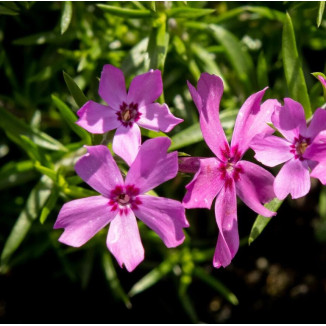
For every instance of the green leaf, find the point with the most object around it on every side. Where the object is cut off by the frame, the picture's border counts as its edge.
(113, 279)
(262, 71)
(7, 11)
(151, 278)
(238, 56)
(70, 118)
(292, 67)
(193, 134)
(188, 12)
(320, 12)
(36, 199)
(261, 221)
(46, 171)
(216, 285)
(16, 127)
(74, 90)
(158, 44)
(152, 134)
(126, 12)
(43, 38)
(66, 16)
(49, 205)
(15, 173)
(316, 74)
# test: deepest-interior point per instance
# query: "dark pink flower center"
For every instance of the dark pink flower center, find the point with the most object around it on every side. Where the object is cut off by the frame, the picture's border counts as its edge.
(128, 114)
(123, 198)
(229, 166)
(299, 146)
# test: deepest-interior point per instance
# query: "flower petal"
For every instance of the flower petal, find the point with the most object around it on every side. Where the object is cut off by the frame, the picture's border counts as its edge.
(126, 142)
(164, 216)
(317, 124)
(316, 151)
(112, 87)
(205, 185)
(226, 219)
(124, 241)
(255, 187)
(195, 96)
(98, 169)
(290, 119)
(319, 172)
(189, 164)
(210, 90)
(153, 165)
(157, 117)
(271, 150)
(322, 80)
(97, 118)
(145, 88)
(82, 219)
(293, 179)
(252, 119)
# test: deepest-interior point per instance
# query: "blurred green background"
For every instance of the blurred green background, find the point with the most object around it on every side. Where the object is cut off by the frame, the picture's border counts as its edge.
(280, 277)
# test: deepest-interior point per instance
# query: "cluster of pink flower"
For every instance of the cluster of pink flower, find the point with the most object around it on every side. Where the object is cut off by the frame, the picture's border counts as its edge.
(224, 176)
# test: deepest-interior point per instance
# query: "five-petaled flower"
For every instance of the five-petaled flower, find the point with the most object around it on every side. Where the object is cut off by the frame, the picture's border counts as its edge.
(125, 111)
(302, 148)
(121, 200)
(226, 175)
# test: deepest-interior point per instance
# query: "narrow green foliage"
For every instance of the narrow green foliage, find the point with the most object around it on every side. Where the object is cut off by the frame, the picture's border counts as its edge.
(126, 12)
(9, 8)
(37, 198)
(15, 173)
(292, 67)
(113, 279)
(66, 16)
(9, 123)
(216, 285)
(320, 12)
(188, 12)
(151, 278)
(49, 205)
(261, 221)
(238, 56)
(75, 91)
(70, 118)
(262, 71)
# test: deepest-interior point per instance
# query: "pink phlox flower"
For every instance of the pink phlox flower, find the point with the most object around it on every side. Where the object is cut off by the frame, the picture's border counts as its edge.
(125, 112)
(323, 81)
(121, 200)
(301, 149)
(226, 175)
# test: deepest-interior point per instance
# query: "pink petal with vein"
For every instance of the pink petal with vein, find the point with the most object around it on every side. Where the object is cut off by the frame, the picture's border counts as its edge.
(319, 172)
(124, 241)
(112, 87)
(97, 118)
(226, 219)
(205, 185)
(317, 124)
(146, 88)
(290, 119)
(195, 96)
(293, 179)
(210, 90)
(317, 150)
(157, 117)
(153, 165)
(126, 142)
(164, 216)
(82, 219)
(255, 187)
(271, 150)
(98, 169)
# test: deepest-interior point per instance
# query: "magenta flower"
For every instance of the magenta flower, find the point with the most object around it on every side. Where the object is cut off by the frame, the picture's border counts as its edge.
(226, 175)
(121, 200)
(301, 149)
(125, 111)
(323, 81)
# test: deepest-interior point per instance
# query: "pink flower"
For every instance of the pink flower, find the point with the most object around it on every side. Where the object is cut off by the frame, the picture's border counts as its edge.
(301, 148)
(125, 111)
(226, 175)
(121, 200)
(323, 81)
